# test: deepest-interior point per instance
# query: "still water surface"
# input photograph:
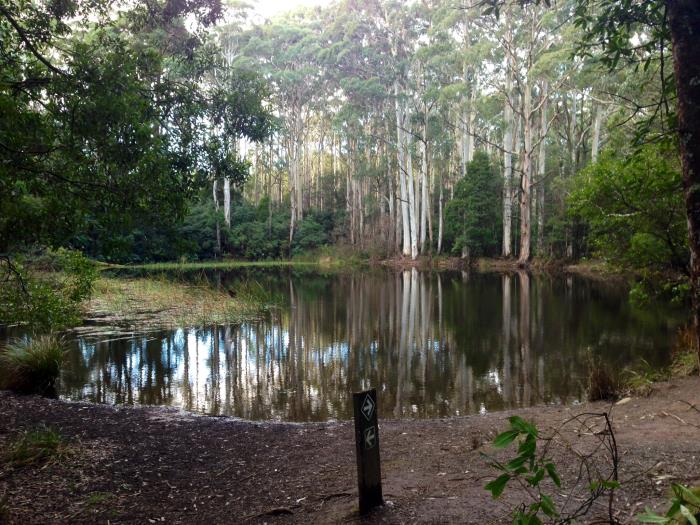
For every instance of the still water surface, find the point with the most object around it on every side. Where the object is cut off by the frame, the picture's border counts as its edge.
(433, 344)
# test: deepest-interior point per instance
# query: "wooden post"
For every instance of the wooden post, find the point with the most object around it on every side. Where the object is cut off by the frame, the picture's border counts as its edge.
(369, 476)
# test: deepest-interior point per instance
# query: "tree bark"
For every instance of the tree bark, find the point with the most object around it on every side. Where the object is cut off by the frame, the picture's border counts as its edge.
(403, 172)
(597, 123)
(412, 198)
(684, 21)
(525, 227)
(541, 167)
(227, 201)
(508, 144)
(424, 186)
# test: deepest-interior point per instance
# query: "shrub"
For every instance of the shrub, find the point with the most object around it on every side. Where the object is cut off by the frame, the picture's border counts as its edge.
(533, 474)
(32, 365)
(46, 301)
(639, 380)
(310, 235)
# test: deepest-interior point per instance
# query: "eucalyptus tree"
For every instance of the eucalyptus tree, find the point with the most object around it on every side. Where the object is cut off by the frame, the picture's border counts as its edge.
(285, 50)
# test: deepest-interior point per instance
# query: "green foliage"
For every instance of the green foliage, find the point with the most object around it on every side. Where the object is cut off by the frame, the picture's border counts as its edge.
(46, 301)
(36, 447)
(32, 364)
(526, 467)
(535, 472)
(472, 218)
(635, 211)
(104, 148)
(82, 274)
(310, 235)
(684, 509)
(639, 379)
(608, 32)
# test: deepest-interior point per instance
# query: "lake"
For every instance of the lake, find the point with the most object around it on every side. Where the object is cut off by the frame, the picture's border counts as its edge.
(433, 344)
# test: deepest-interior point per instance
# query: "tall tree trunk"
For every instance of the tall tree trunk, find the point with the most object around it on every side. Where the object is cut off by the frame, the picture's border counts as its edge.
(412, 200)
(508, 143)
(216, 207)
(440, 221)
(471, 122)
(403, 173)
(541, 169)
(597, 122)
(684, 21)
(227, 201)
(424, 186)
(293, 167)
(525, 227)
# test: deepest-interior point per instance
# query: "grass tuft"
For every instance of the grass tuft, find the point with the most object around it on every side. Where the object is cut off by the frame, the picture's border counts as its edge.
(36, 446)
(32, 364)
(685, 364)
(602, 386)
(639, 380)
(686, 359)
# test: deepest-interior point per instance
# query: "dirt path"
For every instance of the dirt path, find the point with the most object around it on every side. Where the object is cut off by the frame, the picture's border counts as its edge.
(146, 465)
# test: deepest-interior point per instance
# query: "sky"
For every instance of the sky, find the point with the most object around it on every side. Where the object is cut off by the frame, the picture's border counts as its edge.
(269, 8)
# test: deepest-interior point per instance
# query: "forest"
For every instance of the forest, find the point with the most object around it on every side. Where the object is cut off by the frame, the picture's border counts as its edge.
(469, 205)
(394, 128)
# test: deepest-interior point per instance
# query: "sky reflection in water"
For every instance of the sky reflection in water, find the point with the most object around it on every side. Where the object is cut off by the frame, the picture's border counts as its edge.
(432, 344)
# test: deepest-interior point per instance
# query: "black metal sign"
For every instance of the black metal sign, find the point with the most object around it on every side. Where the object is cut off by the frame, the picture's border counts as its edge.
(369, 475)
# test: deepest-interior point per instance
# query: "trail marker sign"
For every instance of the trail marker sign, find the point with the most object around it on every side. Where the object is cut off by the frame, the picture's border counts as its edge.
(369, 476)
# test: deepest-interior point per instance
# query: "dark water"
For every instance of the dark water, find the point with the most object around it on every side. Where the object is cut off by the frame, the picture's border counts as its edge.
(432, 344)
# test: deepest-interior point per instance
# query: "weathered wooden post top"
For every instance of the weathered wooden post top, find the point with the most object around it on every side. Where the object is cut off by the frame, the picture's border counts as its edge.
(369, 475)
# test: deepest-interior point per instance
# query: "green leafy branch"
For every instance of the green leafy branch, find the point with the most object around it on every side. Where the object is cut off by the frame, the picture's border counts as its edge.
(684, 510)
(531, 470)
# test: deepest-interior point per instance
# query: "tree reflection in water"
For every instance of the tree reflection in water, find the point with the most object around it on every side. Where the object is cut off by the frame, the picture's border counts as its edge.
(433, 344)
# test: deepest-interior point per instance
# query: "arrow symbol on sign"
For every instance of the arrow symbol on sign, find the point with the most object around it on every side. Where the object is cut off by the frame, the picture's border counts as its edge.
(370, 437)
(368, 407)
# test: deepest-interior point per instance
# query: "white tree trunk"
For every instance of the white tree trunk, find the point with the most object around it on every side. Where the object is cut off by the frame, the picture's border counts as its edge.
(471, 123)
(440, 221)
(541, 167)
(227, 201)
(412, 201)
(525, 226)
(597, 122)
(403, 172)
(508, 145)
(424, 188)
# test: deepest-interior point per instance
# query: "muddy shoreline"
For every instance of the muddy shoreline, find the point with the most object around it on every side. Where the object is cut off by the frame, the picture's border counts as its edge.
(151, 465)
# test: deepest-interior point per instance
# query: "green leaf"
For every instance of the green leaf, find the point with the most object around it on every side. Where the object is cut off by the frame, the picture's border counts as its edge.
(687, 514)
(686, 494)
(548, 506)
(528, 447)
(605, 484)
(505, 439)
(674, 509)
(650, 517)
(497, 486)
(535, 480)
(516, 463)
(552, 472)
